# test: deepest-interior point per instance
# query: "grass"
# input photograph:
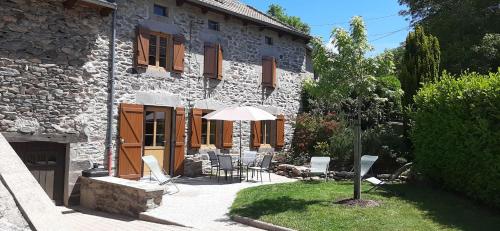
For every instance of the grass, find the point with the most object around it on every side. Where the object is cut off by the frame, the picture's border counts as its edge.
(308, 205)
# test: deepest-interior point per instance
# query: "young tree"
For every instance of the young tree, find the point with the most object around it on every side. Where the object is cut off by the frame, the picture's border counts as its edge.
(420, 63)
(344, 74)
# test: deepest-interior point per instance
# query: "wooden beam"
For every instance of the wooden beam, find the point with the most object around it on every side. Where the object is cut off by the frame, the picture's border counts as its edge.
(245, 22)
(179, 2)
(280, 34)
(70, 3)
(227, 17)
(204, 10)
(105, 11)
(261, 28)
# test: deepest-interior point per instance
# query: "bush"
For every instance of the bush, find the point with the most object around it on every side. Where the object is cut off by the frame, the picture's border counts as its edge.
(456, 135)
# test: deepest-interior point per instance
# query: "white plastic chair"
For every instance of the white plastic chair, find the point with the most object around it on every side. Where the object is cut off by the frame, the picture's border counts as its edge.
(158, 172)
(319, 165)
(379, 183)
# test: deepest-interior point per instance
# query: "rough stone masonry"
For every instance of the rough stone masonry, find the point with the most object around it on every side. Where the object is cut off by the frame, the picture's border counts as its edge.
(54, 71)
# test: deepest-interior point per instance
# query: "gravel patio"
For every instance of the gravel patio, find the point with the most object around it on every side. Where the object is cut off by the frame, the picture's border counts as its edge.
(203, 203)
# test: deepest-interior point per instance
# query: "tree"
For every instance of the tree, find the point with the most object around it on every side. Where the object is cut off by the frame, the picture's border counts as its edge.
(420, 62)
(344, 74)
(279, 13)
(459, 26)
(487, 53)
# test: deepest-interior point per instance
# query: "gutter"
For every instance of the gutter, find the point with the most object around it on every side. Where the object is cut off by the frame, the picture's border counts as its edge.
(111, 95)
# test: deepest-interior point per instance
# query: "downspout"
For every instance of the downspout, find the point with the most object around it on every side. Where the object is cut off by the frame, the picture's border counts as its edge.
(111, 95)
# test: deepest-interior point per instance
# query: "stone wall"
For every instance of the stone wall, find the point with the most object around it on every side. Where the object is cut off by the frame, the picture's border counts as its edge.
(120, 196)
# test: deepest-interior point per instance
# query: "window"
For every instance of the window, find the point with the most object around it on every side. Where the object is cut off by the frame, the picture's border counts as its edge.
(160, 10)
(266, 131)
(212, 25)
(208, 131)
(269, 40)
(158, 44)
(212, 64)
(268, 72)
(154, 133)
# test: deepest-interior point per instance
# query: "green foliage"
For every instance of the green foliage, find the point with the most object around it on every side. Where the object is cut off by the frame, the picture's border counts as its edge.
(383, 64)
(487, 53)
(459, 26)
(456, 134)
(420, 62)
(279, 13)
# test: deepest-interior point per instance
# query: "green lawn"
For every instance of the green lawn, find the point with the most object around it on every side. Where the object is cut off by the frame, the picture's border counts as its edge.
(308, 205)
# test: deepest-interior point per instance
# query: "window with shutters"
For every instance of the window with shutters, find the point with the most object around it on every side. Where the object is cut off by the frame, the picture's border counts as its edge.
(208, 131)
(213, 59)
(158, 49)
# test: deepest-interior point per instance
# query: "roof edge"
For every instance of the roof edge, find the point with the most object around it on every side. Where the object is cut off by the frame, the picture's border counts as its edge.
(290, 31)
(103, 3)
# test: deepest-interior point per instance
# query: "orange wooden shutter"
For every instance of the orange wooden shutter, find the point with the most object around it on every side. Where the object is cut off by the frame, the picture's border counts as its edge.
(219, 62)
(209, 67)
(280, 131)
(196, 127)
(131, 135)
(180, 123)
(227, 134)
(268, 71)
(142, 54)
(256, 134)
(178, 53)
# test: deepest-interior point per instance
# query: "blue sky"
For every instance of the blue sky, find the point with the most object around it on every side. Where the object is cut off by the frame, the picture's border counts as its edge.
(385, 28)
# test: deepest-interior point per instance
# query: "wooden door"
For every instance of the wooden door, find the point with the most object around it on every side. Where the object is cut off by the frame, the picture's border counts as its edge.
(131, 140)
(180, 126)
(157, 130)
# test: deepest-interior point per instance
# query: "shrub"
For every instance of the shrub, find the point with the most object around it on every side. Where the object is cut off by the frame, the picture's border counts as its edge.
(456, 135)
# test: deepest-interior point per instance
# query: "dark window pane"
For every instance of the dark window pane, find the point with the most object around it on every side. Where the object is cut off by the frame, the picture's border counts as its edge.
(148, 140)
(160, 10)
(163, 52)
(212, 25)
(203, 130)
(212, 131)
(152, 50)
(269, 40)
(160, 140)
(268, 132)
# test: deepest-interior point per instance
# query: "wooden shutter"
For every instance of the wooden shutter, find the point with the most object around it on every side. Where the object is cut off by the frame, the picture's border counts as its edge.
(268, 71)
(142, 53)
(196, 127)
(256, 134)
(180, 125)
(130, 141)
(210, 58)
(227, 134)
(280, 131)
(178, 53)
(219, 62)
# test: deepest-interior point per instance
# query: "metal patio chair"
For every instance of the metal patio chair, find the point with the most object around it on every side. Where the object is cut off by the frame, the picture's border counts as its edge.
(265, 165)
(214, 162)
(226, 165)
(319, 166)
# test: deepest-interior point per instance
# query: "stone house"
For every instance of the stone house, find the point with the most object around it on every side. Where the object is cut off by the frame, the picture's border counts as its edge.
(109, 81)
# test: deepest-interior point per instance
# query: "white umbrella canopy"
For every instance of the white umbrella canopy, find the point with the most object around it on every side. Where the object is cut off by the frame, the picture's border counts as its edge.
(242, 113)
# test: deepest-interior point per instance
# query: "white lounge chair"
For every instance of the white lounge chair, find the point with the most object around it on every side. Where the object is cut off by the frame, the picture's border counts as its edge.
(379, 183)
(367, 162)
(319, 166)
(158, 172)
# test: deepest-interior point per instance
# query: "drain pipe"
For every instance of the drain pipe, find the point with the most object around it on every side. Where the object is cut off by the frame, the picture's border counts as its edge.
(111, 95)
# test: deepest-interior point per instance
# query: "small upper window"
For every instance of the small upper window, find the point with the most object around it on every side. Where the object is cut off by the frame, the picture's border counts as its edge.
(212, 25)
(160, 10)
(269, 40)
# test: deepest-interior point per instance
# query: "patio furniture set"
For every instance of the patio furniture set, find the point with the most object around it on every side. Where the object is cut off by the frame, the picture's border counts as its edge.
(249, 161)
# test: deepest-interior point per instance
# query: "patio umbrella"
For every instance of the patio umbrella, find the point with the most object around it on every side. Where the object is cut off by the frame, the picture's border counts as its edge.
(240, 113)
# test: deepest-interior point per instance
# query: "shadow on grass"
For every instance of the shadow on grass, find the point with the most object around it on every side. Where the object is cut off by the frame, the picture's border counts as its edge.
(273, 206)
(445, 208)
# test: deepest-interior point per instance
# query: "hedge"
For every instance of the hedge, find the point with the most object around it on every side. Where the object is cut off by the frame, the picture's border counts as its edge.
(456, 135)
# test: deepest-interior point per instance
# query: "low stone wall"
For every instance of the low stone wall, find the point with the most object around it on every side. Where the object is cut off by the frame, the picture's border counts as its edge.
(119, 196)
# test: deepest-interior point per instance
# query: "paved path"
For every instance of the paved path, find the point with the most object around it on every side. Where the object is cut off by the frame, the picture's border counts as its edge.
(203, 204)
(99, 221)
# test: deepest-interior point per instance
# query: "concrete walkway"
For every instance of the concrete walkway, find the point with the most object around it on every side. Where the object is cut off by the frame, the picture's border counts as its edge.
(203, 204)
(83, 219)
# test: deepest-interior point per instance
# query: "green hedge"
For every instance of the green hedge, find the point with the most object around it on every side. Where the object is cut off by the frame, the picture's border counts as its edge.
(456, 135)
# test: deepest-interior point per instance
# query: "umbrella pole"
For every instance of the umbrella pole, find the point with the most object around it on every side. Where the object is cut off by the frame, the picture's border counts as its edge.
(241, 169)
